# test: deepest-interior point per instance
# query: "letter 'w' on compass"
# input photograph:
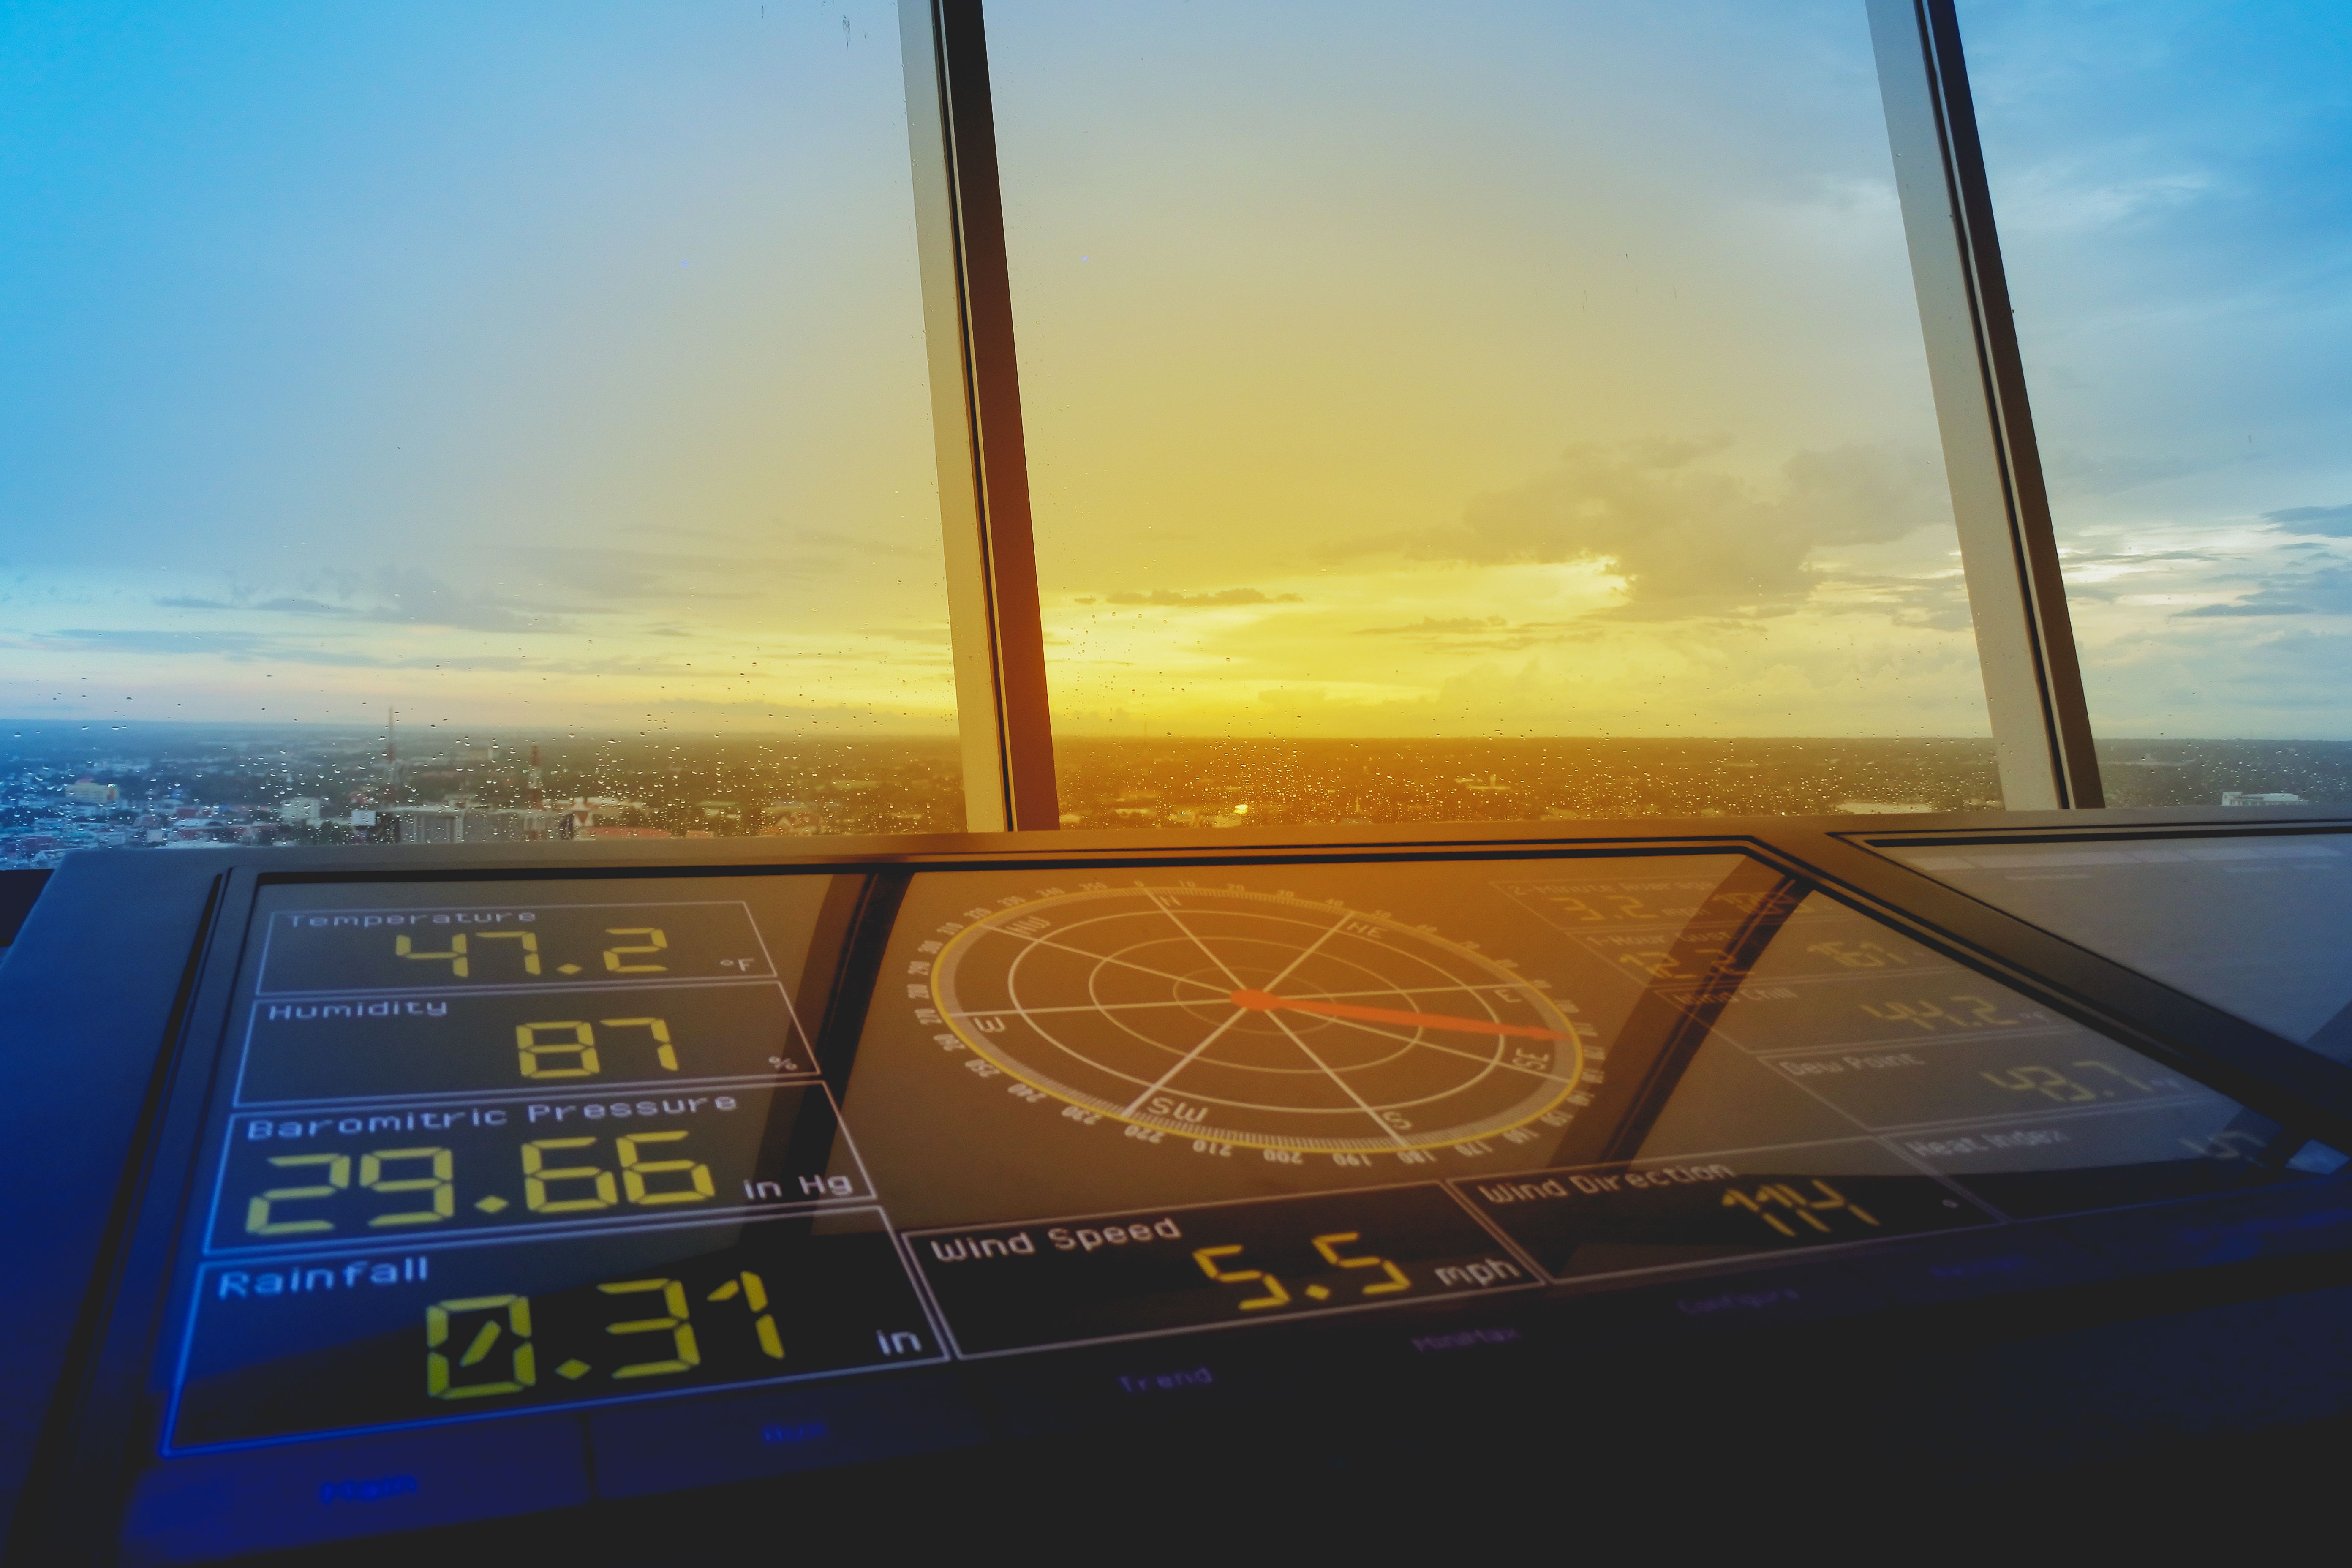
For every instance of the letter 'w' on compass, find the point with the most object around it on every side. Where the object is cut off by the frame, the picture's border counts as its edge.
(1259, 1019)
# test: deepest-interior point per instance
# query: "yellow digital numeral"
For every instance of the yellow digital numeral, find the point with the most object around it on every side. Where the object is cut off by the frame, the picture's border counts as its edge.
(2049, 1082)
(536, 1176)
(455, 955)
(1329, 1245)
(1275, 1296)
(684, 1354)
(522, 1364)
(536, 1053)
(635, 1171)
(529, 941)
(664, 1051)
(655, 942)
(1831, 1198)
(444, 1191)
(754, 1291)
(258, 1220)
(1987, 1012)
(1781, 1195)
(2118, 1072)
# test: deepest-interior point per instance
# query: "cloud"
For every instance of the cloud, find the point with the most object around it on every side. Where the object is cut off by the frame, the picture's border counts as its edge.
(1686, 537)
(289, 607)
(2065, 197)
(238, 648)
(2325, 592)
(1169, 598)
(1937, 604)
(836, 539)
(1431, 626)
(395, 594)
(940, 634)
(2334, 522)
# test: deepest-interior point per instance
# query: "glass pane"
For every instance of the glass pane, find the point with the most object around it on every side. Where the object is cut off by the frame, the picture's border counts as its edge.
(2174, 216)
(550, 375)
(2258, 925)
(1543, 382)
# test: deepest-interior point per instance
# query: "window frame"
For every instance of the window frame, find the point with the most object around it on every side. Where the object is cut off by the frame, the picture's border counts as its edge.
(2008, 551)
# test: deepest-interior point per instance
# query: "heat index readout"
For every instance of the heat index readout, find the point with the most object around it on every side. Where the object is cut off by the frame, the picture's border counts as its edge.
(509, 945)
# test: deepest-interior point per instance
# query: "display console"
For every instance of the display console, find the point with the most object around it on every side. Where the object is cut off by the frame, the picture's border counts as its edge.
(505, 1192)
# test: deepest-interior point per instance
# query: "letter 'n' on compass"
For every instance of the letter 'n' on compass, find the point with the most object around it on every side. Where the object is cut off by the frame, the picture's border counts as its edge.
(1258, 1019)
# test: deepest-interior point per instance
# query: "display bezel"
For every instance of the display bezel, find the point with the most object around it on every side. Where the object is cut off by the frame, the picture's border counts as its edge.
(2255, 1061)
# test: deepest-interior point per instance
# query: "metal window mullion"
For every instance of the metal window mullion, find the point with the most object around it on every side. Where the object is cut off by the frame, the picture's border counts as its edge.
(997, 634)
(2008, 551)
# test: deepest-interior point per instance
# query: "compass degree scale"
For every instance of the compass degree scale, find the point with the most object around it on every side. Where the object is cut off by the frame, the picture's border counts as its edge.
(1258, 1019)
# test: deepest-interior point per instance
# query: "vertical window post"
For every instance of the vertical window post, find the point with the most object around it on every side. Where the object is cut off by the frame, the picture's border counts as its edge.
(998, 640)
(2025, 638)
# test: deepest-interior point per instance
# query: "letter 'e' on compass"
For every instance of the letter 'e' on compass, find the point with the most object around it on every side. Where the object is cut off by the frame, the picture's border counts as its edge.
(1260, 1019)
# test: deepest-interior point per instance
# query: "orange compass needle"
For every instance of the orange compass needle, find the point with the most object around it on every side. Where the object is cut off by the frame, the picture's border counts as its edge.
(1266, 1001)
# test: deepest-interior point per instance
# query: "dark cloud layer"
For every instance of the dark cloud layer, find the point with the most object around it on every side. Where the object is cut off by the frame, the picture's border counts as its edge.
(2333, 522)
(1688, 538)
(2325, 591)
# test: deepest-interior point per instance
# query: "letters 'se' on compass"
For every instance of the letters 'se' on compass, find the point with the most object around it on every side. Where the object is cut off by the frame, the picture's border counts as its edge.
(1259, 1019)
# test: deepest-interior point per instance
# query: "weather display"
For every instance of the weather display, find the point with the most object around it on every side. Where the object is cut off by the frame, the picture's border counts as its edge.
(586, 1143)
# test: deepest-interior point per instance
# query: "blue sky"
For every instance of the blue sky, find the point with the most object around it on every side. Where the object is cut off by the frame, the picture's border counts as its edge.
(532, 361)
(2174, 188)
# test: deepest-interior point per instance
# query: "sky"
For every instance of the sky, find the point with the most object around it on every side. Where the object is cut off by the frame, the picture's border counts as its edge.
(1508, 368)
(546, 364)
(1502, 369)
(2174, 186)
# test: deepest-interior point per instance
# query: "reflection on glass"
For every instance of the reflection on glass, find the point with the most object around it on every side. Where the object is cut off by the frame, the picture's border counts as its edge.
(2260, 927)
(456, 417)
(1522, 372)
(2169, 179)
(1624, 1063)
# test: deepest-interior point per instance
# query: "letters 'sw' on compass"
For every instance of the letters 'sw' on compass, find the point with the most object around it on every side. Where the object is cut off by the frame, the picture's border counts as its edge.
(1256, 1018)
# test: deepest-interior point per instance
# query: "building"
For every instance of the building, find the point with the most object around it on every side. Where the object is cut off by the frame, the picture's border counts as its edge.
(474, 823)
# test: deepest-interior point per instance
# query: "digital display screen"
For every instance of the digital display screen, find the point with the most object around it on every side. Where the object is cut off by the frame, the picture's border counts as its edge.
(569, 1151)
(2256, 924)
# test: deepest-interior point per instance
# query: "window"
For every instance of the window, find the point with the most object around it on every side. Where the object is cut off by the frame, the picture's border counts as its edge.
(2176, 221)
(1511, 410)
(551, 377)
(460, 425)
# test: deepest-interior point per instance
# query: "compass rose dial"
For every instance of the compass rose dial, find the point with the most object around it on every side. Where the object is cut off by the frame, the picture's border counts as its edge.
(1259, 1019)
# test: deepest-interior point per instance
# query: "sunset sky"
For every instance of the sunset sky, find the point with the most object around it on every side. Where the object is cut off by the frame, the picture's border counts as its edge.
(1509, 368)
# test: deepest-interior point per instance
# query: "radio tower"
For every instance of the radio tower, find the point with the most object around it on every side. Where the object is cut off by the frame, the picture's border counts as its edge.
(391, 748)
(538, 795)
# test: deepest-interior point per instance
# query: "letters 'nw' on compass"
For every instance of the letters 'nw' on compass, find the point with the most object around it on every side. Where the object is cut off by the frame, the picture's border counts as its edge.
(1259, 1019)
